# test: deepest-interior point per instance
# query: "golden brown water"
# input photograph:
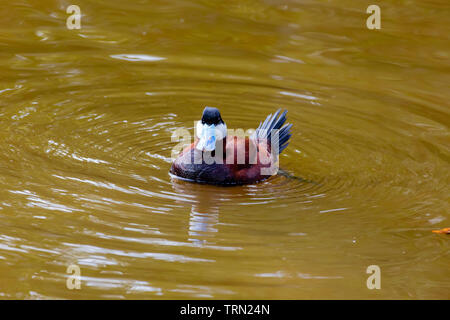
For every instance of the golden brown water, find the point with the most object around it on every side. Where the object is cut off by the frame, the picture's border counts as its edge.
(86, 118)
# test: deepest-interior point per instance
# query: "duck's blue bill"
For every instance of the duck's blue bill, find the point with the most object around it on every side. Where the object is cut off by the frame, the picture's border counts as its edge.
(208, 139)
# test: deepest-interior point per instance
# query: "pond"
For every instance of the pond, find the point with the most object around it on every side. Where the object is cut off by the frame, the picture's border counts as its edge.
(87, 115)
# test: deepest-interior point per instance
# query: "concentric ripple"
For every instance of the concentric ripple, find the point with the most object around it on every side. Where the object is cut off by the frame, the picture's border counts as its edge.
(86, 119)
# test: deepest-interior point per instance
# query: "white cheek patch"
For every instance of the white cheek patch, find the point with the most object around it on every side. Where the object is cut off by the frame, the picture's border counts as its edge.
(199, 129)
(220, 130)
(208, 135)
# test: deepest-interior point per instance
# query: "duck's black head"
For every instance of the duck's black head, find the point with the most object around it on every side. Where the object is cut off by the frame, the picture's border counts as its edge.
(211, 115)
(210, 129)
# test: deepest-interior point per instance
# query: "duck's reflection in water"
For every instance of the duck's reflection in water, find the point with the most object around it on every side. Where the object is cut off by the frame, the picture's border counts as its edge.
(205, 204)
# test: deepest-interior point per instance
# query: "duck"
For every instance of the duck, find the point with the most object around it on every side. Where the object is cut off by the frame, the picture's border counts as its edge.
(215, 157)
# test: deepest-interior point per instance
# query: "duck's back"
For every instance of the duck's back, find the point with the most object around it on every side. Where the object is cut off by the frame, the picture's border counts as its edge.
(238, 166)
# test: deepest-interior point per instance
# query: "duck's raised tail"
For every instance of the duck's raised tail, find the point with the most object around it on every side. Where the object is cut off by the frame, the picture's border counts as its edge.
(275, 122)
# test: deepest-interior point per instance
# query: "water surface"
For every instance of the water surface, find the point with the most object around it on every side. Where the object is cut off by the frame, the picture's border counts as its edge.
(86, 118)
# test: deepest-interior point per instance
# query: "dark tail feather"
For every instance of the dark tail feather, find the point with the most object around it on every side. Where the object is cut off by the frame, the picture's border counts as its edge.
(273, 122)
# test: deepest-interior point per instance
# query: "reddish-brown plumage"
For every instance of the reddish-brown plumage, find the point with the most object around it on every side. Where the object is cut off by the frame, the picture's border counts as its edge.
(233, 160)
(240, 165)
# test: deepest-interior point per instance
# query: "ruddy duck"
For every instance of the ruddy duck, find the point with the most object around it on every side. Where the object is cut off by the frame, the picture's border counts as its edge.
(215, 158)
